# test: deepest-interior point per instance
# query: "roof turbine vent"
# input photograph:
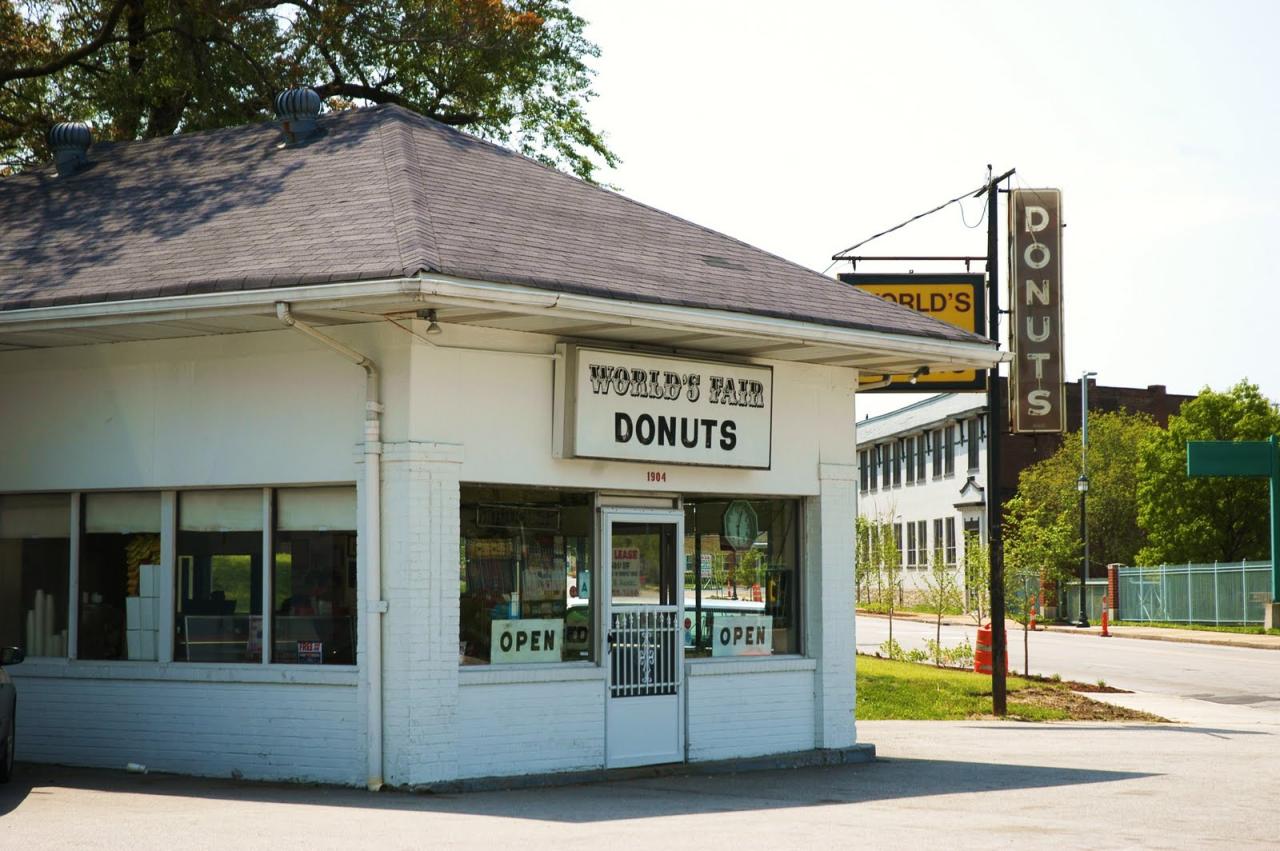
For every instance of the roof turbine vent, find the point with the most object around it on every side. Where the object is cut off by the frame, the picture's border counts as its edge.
(70, 141)
(298, 108)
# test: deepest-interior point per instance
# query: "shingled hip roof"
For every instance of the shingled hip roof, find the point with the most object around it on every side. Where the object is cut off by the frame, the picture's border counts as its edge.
(382, 193)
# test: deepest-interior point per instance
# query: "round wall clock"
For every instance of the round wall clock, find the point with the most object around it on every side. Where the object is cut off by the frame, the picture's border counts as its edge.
(741, 525)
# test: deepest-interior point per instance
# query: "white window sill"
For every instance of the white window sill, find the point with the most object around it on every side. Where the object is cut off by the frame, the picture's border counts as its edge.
(713, 667)
(551, 672)
(186, 672)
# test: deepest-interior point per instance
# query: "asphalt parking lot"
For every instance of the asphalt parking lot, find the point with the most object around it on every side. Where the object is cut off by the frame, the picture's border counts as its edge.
(1204, 783)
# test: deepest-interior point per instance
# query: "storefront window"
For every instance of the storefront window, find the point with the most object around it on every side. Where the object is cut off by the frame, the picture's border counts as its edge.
(218, 615)
(119, 567)
(526, 578)
(314, 576)
(35, 549)
(741, 575)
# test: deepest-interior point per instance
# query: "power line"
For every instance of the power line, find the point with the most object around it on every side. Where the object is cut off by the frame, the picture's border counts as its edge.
(842, 255)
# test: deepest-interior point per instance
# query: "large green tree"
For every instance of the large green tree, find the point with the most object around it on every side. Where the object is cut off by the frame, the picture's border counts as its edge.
(1043, 520)
(513, 71)
(1213, 519)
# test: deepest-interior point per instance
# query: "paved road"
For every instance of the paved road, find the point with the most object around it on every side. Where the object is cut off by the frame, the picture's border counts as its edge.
(1238, 676)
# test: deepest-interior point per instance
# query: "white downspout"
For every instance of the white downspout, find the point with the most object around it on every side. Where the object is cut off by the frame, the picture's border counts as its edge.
(371, 534)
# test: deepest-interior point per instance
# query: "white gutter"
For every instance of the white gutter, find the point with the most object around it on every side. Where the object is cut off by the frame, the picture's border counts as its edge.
(370, 535)
(447, 291)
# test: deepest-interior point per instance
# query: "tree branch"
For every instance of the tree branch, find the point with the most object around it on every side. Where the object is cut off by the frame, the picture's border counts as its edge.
(56, 65)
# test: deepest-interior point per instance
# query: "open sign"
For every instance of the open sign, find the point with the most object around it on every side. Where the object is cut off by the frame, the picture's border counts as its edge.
(526, 640)
(742, 635)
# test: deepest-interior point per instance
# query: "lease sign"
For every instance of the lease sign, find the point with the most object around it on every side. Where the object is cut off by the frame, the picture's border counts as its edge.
(1037, 398)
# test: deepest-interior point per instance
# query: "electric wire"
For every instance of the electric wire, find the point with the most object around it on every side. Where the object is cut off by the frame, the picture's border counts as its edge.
(842, 255)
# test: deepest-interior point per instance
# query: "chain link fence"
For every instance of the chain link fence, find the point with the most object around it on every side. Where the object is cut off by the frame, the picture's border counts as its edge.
(1216, 593)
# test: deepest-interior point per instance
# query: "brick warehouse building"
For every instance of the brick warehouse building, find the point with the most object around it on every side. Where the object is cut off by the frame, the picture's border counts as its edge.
(923, 467)
(371, 452)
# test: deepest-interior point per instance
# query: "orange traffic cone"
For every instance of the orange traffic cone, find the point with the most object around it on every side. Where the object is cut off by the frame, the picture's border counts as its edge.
(1032, 624)
(1105, 633)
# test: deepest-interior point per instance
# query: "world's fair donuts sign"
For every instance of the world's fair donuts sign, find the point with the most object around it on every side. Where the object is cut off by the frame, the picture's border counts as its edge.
(1037, 398)
(632, 406)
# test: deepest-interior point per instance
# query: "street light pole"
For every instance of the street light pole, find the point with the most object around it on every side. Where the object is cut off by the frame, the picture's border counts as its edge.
(1082, 485)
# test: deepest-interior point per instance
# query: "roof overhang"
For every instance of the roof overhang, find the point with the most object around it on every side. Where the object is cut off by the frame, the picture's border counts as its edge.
(492, 305)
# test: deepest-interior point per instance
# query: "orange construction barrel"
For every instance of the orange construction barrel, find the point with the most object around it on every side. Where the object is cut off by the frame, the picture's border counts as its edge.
(982, 657)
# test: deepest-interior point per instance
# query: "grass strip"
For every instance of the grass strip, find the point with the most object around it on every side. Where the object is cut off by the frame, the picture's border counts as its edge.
(905, 691)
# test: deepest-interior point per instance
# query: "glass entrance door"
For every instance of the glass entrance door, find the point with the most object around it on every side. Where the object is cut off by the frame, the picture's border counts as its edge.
(644, 649)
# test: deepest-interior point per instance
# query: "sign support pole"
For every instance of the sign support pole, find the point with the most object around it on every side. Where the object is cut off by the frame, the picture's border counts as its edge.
(1275, 522)
(1255, 459)
(995, 425)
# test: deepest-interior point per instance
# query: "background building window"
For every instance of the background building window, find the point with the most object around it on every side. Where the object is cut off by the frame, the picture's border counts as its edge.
(937, 453)
(119, 576)
(973, 445)
(218, 615)
(726, 583)
(922, 534)
(920, 447)
(911, 545)
(937, 540)
(863, 473)
(314, 576)
(875, 464)
(897, 447)
(950, 532)
(911, 460)
(949, 450)
(526, 554)
(35, 550)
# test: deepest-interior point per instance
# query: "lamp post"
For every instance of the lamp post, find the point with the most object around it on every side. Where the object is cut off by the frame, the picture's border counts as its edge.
(1082, 485)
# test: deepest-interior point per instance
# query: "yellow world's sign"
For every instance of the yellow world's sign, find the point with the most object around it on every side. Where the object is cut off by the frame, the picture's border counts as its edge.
(954, 299)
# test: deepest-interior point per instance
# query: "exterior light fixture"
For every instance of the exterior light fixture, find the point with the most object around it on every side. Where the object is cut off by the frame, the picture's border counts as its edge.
(433, 327)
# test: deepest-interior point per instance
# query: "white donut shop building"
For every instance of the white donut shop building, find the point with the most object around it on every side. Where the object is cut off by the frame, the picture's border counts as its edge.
(353, 449)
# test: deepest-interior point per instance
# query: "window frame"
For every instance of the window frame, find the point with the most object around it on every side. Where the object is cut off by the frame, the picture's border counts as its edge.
(936, 447)
(949, 451)
(910, 456)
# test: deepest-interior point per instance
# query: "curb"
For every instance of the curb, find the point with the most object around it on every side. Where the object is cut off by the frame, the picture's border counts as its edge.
(1233, 641)
(824, 757)
(1228, 639)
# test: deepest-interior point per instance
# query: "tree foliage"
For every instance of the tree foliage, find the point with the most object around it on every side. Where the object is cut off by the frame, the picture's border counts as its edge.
(1205, 519)
(1043, 520)
(512, 71)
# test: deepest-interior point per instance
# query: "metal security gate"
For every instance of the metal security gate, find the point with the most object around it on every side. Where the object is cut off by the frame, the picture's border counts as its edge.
(644, 649)
(642, 658)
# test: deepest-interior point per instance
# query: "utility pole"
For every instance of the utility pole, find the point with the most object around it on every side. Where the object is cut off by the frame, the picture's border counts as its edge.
(995, 426)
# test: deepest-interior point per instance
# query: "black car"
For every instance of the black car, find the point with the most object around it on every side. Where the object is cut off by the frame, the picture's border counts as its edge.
(8, 710)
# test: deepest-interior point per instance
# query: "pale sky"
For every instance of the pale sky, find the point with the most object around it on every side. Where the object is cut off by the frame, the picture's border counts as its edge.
(805, 127)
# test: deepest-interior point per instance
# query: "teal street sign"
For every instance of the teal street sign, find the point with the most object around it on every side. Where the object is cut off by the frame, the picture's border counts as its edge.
(1250, 458)
(1253, 459)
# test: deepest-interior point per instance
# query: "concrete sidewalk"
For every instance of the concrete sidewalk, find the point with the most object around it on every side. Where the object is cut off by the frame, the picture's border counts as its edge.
(1150, 633)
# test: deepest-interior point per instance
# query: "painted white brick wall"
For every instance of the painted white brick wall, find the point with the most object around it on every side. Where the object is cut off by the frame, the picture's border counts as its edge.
(735, 711)
(829, 540)
(263, 731)
(420, 630)
(531, 727)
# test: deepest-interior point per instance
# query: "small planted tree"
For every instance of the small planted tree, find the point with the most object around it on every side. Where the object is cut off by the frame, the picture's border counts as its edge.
(943, 594)
(879, 568)
(890, 562)
(977, 574)
(1039, 548)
